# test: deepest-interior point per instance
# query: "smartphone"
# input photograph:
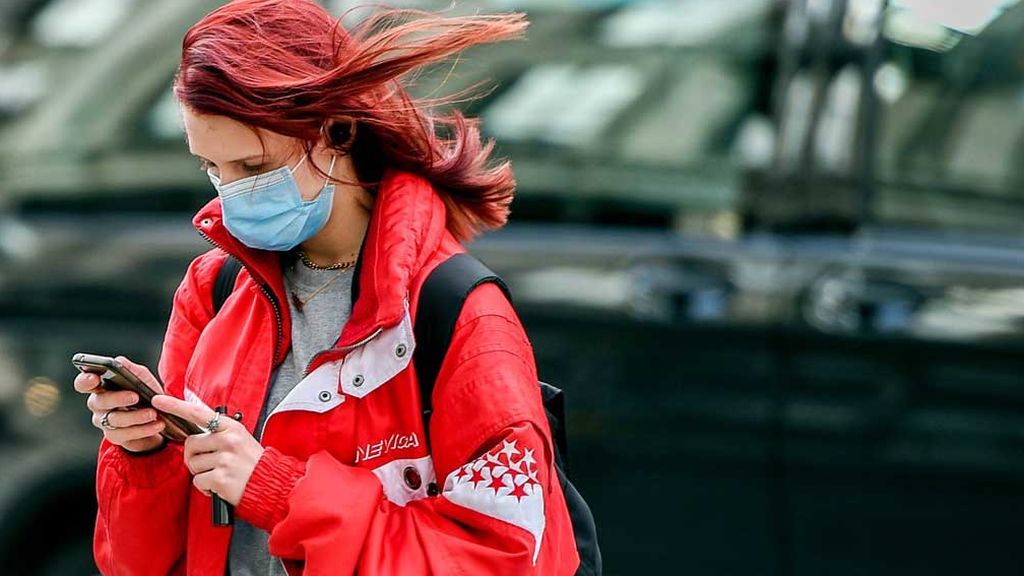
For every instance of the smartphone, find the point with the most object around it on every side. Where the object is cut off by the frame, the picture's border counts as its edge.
(114, 376)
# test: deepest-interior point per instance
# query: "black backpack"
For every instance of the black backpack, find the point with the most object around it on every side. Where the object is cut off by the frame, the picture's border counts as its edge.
(441, 299)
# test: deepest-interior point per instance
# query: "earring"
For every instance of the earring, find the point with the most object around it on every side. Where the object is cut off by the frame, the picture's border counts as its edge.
(339, 135)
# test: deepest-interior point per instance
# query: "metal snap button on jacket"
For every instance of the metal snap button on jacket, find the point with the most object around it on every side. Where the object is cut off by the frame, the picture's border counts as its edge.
(357, 381)
(325, 396)
(412, 478)
(400, 350)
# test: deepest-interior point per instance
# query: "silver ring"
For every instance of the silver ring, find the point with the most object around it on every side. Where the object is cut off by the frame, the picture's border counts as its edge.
(214, 423)
(105, 421)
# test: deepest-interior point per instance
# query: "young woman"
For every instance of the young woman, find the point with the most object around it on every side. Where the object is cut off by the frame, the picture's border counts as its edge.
(339, 194)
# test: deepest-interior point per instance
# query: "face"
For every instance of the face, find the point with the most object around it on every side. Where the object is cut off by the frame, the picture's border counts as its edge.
(230, 150)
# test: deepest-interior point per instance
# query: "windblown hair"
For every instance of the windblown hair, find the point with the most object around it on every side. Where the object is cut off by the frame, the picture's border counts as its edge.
(289, 67)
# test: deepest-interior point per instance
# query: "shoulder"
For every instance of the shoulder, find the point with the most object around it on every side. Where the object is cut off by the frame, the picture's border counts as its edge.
(487, 321)
(488, 318)
(191, 311)
(486, 303)
(196, 289)
(487, 299)
(204, 268)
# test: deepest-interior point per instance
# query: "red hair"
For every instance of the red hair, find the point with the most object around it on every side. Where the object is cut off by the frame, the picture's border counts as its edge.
(289, 67)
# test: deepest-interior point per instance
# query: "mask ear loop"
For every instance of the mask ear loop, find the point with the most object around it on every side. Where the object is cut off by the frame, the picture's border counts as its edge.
(304, 156)
(330, 171)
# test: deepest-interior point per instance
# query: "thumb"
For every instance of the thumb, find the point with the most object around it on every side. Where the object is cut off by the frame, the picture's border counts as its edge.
(142, 373)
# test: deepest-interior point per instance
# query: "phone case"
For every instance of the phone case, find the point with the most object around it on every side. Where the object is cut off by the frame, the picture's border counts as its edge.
(114, 376)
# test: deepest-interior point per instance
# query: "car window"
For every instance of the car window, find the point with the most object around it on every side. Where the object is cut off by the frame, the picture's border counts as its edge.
(951, 133)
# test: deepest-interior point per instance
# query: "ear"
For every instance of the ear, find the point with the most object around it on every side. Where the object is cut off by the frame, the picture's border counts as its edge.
(340, 133)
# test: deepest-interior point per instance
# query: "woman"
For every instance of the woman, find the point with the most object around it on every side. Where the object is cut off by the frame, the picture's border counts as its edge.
(322, 161)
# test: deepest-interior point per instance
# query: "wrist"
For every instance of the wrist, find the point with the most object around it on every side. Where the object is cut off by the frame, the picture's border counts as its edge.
(150, 469)
(264, 499)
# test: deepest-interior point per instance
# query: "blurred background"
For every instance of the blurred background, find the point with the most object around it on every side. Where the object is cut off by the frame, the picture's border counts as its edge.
(773, 251)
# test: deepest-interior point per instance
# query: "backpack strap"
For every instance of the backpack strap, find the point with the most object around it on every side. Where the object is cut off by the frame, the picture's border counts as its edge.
(225, 282)
(440, 302)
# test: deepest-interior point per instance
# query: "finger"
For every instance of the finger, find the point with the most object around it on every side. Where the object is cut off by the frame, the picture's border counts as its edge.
(223, 441)
(142, 373)
(125, 419)
(200, 415)
(87, 382)
(205, 462)
(111, 400)
(122, 435)
(204, 443)
(206, 482)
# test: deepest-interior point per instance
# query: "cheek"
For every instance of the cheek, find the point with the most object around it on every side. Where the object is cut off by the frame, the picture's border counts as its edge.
(310, 182)
(309, 185)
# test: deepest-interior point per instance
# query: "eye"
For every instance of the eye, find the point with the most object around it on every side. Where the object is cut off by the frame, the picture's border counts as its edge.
(253, 169)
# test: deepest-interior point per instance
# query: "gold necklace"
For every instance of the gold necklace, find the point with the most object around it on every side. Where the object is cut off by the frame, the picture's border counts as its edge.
(300, 303)
(314, 266)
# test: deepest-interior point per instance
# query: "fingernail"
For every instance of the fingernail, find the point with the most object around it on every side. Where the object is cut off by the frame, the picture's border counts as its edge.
(133, 398)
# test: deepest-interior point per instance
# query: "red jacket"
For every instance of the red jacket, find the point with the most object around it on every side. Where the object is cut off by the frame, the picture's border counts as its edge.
(346, 483)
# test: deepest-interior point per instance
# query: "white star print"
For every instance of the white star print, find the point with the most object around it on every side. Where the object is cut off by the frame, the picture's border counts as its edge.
(508, 449)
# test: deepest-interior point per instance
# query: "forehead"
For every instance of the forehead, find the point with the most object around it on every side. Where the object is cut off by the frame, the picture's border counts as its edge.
(219, 138)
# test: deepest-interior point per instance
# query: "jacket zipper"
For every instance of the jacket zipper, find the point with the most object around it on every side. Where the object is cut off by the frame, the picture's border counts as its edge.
(305, 371)
(267, 292)
(379, 329)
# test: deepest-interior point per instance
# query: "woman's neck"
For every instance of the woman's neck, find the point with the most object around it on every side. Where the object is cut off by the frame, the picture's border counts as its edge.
(342, 235)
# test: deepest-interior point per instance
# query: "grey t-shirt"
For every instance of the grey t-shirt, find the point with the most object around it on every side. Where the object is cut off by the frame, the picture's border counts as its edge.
(314, 329)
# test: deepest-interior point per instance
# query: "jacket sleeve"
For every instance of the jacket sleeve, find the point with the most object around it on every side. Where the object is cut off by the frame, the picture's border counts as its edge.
(499, 510)
(143, 498)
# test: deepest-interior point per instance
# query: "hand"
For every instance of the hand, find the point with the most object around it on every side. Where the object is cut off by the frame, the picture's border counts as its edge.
(134, 430)
(221, 462)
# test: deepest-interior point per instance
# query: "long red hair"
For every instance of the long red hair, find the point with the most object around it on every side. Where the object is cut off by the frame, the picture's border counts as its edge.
(290, 67)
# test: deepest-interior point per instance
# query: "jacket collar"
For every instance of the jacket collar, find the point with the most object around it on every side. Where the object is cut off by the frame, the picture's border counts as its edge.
(407, 224)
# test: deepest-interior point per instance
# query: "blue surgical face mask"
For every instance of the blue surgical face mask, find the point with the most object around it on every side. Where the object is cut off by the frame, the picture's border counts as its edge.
(267, 212)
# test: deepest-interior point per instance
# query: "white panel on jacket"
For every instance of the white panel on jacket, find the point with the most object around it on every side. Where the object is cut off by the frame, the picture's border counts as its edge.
(406, 479)
(317, 392)
(502, 484)
(371, 365)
